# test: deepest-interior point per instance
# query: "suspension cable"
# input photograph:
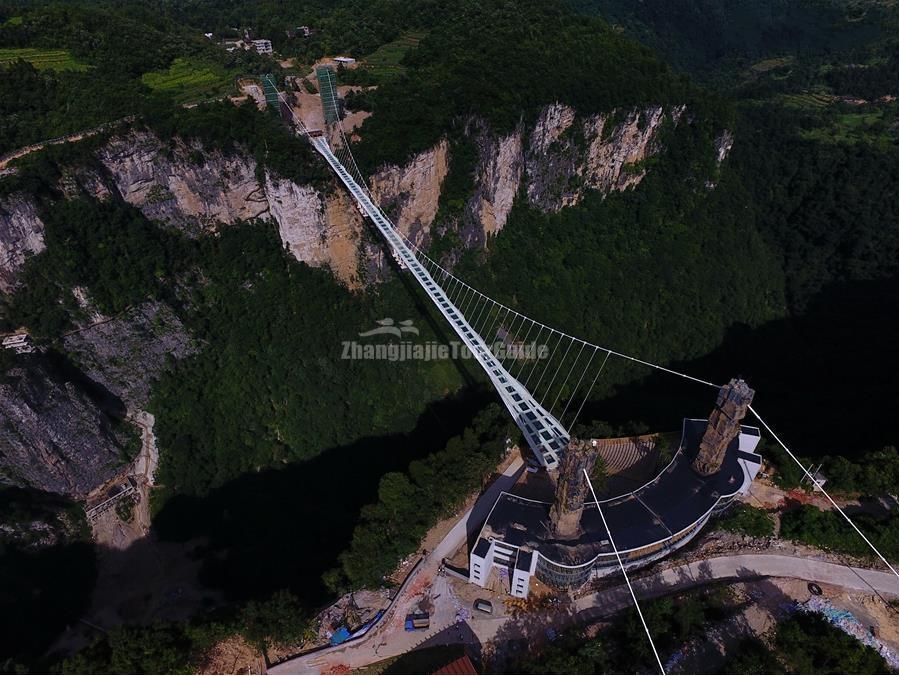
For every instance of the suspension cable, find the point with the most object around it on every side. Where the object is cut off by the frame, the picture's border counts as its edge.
(821, 488)
(624, 572)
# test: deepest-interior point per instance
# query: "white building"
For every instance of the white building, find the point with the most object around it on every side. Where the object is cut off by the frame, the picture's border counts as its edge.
(345, 60)
(262, 46)
(18, 343)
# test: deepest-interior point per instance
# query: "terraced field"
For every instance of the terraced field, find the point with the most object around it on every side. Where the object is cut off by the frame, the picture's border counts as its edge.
(57, 59)
(771, 64)
(873, 126)
(189, 80)
(385, 61)
(809, 99)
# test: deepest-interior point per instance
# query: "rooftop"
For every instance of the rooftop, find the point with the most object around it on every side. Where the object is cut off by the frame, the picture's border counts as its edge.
(670, 503)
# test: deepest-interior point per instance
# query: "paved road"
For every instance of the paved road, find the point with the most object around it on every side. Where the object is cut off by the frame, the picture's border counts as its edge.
(741, 566)
(737, 567)
(389, 638)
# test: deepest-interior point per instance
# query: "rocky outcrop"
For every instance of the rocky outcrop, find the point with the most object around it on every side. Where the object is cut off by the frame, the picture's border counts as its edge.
(499, 179)
(21, 234)
(723, 144)
(411, 194)
(184, 185)
(53, 437)
(554, 163)
(195, 190)
(127, 353)
(567, 157)
(321, 230)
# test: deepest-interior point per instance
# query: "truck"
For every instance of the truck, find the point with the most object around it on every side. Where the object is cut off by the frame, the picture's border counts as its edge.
(417, 621)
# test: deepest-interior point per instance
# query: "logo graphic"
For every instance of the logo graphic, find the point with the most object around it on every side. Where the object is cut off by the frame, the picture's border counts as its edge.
(386, 327)
(408, 350)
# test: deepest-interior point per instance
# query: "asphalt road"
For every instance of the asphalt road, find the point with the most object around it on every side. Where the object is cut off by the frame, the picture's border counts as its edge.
(741, 566)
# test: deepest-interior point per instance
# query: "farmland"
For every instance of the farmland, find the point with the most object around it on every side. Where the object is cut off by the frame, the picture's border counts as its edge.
(385, 61)
(188, 80)
(874, 126)
(57, 59)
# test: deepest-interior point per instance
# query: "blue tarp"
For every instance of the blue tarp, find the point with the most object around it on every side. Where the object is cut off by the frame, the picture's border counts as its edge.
(361, 631)
(340, 636)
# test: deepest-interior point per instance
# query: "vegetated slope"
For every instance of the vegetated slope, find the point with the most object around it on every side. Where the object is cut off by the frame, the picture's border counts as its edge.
(499, 61)
(112, 48)
(712, 38)
(270, 383)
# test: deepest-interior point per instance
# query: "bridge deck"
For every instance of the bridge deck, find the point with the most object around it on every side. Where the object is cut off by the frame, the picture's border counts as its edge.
(544, 434)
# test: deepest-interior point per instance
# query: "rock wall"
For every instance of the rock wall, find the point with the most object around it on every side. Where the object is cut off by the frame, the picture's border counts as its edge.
(21, 234)
(196, 190)
(553, 163)
(502, 167)
(411, 194)
(567, 157)
(319, 229)
(183, 186)
(127, 353)
(52, 436)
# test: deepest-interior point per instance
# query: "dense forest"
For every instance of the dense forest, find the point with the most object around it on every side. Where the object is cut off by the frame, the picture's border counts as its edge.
(717, 40)
(803, 643)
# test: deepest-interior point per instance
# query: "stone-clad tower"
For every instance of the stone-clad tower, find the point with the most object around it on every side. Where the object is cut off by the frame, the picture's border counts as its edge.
(572, 489)
(724, 425)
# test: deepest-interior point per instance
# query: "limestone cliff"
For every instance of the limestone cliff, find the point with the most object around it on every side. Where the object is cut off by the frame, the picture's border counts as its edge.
(21, 234)
(553, 163)
(502, 166)
(126, 353)
(53, 436)
(411, 194)
(183, 186)
(195, 190)
(319, 229)
(567, 157)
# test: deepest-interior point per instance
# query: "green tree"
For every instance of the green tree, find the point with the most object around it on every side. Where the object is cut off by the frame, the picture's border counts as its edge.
(280, 620)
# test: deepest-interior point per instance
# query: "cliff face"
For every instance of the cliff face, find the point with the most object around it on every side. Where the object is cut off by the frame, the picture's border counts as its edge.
(410, 195)
(126, 353)
(194, 190)
(170, 187)
(21, 233)
(319, 229)
(500, 174)
(566, 156)
(552, 163)
(53, 436)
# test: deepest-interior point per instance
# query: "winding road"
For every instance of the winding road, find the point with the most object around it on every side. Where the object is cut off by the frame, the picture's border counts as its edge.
(737, 567)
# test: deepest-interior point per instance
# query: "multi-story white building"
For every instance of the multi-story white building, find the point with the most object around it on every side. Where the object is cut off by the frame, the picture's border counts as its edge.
(262, 46)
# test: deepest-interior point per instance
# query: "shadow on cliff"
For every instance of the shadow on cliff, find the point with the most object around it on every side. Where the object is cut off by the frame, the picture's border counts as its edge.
(284, 528)
(820, 378)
